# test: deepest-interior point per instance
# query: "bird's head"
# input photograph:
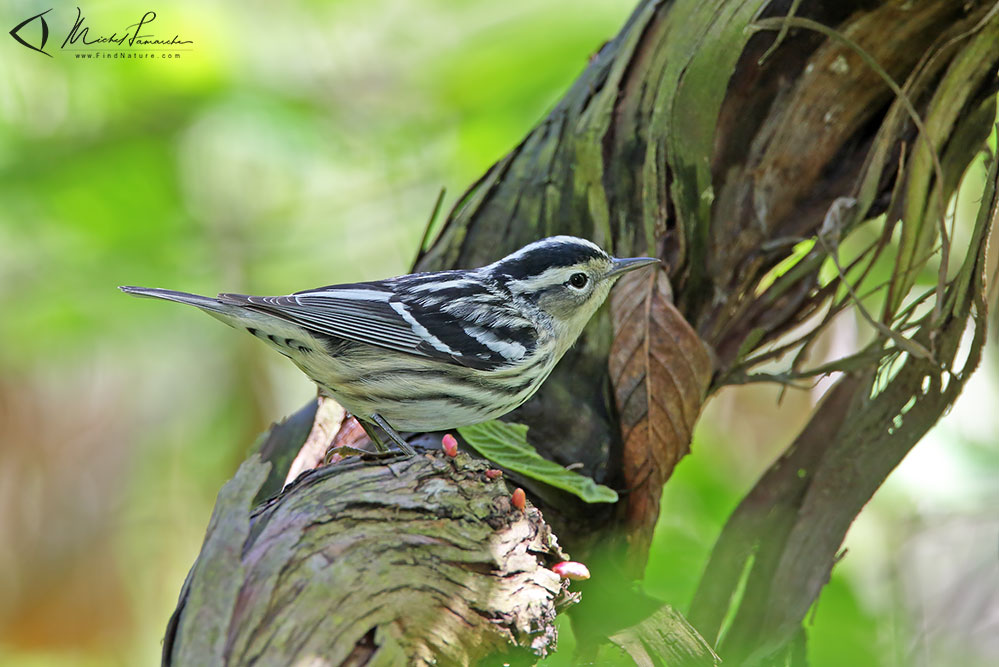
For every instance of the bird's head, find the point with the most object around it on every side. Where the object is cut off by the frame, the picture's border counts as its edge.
(565, 276)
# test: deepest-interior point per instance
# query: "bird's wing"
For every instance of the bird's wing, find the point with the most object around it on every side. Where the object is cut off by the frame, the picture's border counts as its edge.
(388, 315)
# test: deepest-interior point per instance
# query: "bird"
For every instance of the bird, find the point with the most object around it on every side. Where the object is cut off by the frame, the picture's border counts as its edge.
(437, 350)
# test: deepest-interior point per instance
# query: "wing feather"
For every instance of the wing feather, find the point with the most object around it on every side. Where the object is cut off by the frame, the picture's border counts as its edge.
(344, 315)
(387, 315)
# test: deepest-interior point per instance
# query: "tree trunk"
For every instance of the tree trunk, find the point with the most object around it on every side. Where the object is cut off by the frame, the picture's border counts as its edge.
(727, 140)
(419, 560)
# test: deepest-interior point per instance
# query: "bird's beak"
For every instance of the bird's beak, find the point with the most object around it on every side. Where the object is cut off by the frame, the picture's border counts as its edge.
(629, 264)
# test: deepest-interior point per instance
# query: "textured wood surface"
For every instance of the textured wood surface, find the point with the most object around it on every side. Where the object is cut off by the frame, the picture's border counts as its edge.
(421, 561)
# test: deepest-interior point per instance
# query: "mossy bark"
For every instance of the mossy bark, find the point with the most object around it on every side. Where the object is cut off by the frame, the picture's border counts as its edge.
(420, 561)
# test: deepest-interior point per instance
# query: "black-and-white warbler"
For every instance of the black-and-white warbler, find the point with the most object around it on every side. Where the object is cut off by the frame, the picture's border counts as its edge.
(432, 351)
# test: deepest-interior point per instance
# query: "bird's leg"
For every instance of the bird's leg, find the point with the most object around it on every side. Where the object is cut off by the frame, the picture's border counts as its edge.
(392, 434)
(373, 435)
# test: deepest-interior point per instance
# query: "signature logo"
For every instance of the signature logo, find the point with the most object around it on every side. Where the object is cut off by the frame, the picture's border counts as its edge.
(45, 32)
(81, 37)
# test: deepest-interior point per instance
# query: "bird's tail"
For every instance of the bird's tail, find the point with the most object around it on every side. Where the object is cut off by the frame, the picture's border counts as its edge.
(206, 303)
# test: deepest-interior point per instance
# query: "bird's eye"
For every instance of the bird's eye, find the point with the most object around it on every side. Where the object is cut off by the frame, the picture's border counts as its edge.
(578, 280)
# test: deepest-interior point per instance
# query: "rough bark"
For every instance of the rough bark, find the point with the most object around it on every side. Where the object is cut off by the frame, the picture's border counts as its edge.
(420, 561)
(705, 133)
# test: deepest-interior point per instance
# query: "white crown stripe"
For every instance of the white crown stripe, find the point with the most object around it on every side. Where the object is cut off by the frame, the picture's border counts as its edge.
(548, 242)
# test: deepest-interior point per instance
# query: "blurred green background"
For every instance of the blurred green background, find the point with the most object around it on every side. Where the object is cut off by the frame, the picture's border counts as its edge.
(304, 144)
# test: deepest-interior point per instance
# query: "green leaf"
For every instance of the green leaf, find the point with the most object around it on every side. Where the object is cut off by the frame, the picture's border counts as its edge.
(505, 444)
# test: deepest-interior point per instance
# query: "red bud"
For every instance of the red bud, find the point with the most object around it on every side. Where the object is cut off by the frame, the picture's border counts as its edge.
(493, 473)
(519, 498)
(570, 569)
(449, 444)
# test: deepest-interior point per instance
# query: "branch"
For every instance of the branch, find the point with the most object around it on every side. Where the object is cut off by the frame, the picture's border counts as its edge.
(788, 530)
(422, 561)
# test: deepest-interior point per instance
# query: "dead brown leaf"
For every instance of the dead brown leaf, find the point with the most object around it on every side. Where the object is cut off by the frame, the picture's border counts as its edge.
(660, 370)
